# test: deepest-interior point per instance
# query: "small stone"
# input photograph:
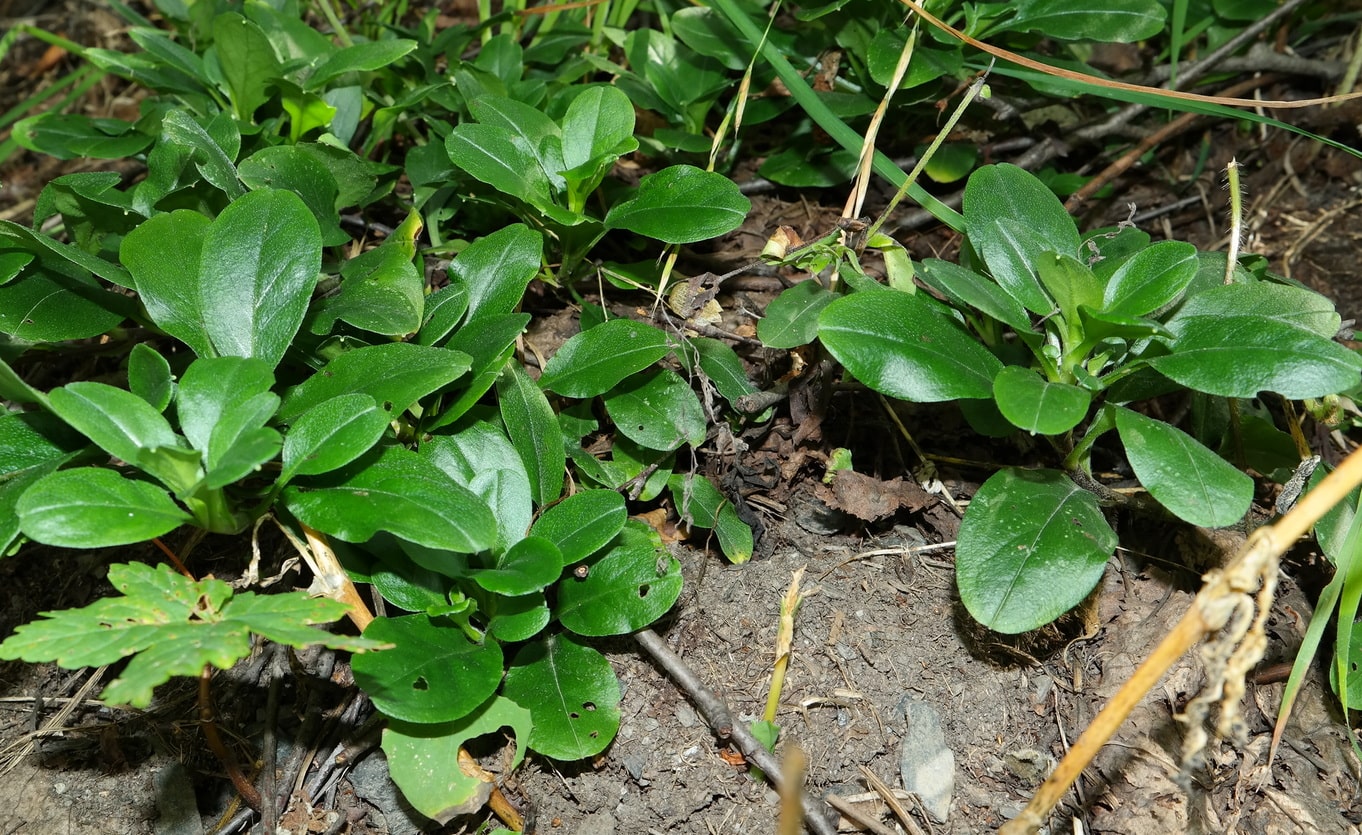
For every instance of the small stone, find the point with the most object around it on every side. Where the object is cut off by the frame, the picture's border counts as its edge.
(926, 764)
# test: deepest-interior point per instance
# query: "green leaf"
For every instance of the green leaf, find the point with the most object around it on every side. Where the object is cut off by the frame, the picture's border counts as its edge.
(71, 135)
(698, 500)
(91, 507)
(433, 673)
(598, 121)
(534, 431)
(516, 619)
(900, 345)
(163, 256)
(791, 319)
(1281, 303)
(173, 626)
(332, 434)
(1012, 219)
(582, 524)
(399, 492)
(627, 589)
(290, 168)
(443, 310)
(498, 157)
(1113, 21)
(1037, 405)
(1239, 356)
(1193, 482)
(595, 361)
(1069, 283)
(682, 204)
(423, 759)
(1150, 279)
(149, 376)
(1031, 547)
(246, 61)
(396, 375)
(968, 289)
(49, 305)
(381, 292)
(496, 269)
(223, 403)
(360, 57)
(533, 126)
(32, 444)
(571, 693)
(481, 459)
(528, 566)
(118, 422)
(723, 367)
(214, 162)
(657, 410)
(258, 269)
(489, 342)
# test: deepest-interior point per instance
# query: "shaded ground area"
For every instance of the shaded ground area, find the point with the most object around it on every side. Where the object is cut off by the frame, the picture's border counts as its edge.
(882, 644)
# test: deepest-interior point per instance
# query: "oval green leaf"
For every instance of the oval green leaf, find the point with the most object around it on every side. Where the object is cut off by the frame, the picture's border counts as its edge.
(899, 345)
(163, 255)
(1150, 279)
(1037, 405)
(1031, 547)
(91, 507)
(629, 588)
(533, 429)
(571, 693)
(496, 269)
(791, 319)
(396, 375)
(1193, 482)
(531, 564)
(433, 673)
(657, 410)
(332, 434)
(596, 360)
(582, 524)
(682, 204)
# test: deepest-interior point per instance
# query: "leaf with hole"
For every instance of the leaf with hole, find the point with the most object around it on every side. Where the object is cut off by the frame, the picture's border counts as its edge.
(433, 673)
(571, 693)
(629, 588)
(657, 410)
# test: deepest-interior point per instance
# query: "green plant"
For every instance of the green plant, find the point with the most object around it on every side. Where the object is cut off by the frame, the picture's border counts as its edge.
(1059, 335)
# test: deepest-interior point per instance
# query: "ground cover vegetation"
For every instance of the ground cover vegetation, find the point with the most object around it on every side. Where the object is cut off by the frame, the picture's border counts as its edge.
(308, 311)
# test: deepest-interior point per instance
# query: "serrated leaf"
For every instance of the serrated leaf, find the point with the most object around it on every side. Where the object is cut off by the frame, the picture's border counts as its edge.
(583, 523)
(91, 507)
(396, 375)
(627, 589)
(423, 759)
(396, 491)
(571, 693)
(173, 626)
(332, 434)
(433, 673)
(1193, 482)
(900, 345)
(1038, 405)
(657, 410)
(682, 204)
(595, 361)
(1031, 547)
(791, 319)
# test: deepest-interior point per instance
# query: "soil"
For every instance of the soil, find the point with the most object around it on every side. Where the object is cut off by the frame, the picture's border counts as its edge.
(888, 674)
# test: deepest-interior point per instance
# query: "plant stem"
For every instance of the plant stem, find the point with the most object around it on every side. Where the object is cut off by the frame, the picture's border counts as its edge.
(208, 722)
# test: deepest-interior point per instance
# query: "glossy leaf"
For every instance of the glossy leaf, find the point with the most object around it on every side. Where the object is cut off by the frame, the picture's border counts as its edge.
(1069, 282)
(71, 135)
(496, 269)
(582, 524)
(571, 693)
(494, 155)
(163, 255)
(627, 589)
(32, 444)
(396, 375)
(332, 434)
(359, 57)
(396, 491)
(968, 289)
(682, 204)
(1150, 279)
(595, 361)
(1038, 405)
(657, 410)
(1239, 356)
(1012, 219)
(515, 619)
(92, 507)
(528, 566)
(423, 759)
(700, 502)
(1282, 303)
(1031, 547)
(381, 292)
(900, 345)
(259, 265)
(597, 122)
(247, 60)
(481, 458)
(290, 168)
(791, 319)
(149, 376)
(489, 342)
(433, 673)
(1114, 21)
(534, 431)
(723, 367)
(1193, 482)
(45, 305)
(117, 421)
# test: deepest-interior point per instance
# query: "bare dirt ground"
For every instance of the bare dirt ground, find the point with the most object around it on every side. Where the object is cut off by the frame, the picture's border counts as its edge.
(883, 651)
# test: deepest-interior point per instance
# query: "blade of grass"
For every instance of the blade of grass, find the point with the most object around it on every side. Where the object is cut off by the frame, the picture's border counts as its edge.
(840, 132)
